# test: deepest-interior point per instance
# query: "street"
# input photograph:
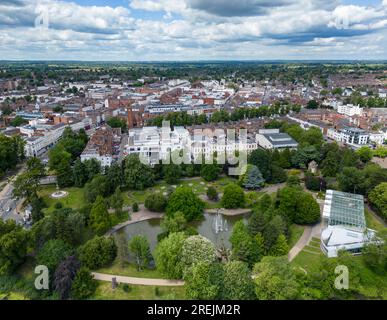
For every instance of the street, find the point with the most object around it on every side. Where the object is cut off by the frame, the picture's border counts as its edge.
(8, 205)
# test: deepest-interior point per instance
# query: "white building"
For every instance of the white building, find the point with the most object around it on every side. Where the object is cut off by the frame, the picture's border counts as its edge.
(349, 110)
(349, 135)
(273, 139)
(343, 216)
(41, 139)
(157, 144)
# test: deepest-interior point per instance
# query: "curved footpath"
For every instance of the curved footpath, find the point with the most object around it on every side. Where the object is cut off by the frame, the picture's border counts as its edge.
(138, 281)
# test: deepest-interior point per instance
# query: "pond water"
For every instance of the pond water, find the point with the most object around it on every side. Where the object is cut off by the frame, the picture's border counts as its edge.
(207, 227)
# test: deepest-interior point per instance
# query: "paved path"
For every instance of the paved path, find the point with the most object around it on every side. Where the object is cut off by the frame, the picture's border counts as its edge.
(301, 243)
(229, 212)
(138, 281)
(309, 232)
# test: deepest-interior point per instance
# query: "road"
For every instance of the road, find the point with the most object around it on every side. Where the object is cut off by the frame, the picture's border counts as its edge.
(8, 205)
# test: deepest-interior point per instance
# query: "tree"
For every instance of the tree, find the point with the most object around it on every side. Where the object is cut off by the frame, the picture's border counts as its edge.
(27, 183)
(97, 252)
(312, 104)
(330, 165)
(257, 222)
(13, 246)
(378, 198)
(349, 179)
(155, 202)
(278, 175)
(261, 159)
(92, 167)
(139, 247)
(252, 179)
(18, 121)
(84, 285)
(122, 249)
(168, 255)
(375, 253)
(273, 229)
(98, 186)
(304, 155)
(233, 197)
(196, 249)
(183, 199)
(280, 248)
(314, 183)
(212, 194)
(58, 156)
(171, 173)
(64, 276)
(175, 223)
(114, 176)
(365, 154)
(209, 172)
(80, 174)
(204, 281)
(312, 137)
(100, 220)
(245, 247)
(53, 253)
(116, 122)
(238, 284)
(138, 176)
(274, 279)
(308, 210)
(117, 201)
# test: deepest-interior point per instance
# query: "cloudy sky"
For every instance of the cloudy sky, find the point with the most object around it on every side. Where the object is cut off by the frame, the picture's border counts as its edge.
(139, 30)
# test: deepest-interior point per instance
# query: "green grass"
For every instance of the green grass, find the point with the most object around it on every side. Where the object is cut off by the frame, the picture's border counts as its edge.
(372, 222)
(130, 270)
(137, 292)
(295, 234)
(74, 200)
(197, 184)
(307, 261)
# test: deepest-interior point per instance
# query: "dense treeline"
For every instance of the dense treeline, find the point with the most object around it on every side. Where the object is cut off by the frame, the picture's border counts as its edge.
(184, 119)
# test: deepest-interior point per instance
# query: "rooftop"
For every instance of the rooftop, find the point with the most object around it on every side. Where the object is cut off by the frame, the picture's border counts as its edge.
(344, 209)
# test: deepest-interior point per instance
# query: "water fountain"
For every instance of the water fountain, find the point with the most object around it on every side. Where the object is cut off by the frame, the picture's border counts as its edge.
(58, 194)
(219, 224)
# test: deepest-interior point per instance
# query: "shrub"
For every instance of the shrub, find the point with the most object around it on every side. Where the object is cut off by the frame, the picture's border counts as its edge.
(156, 202)
(135, 207)
(97, 252)
(233, 197)
(212, 194)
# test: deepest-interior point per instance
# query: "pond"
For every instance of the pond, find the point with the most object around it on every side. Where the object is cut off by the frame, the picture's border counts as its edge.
(217, 228)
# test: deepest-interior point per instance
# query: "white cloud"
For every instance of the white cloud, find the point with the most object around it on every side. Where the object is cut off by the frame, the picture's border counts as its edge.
(190, 30)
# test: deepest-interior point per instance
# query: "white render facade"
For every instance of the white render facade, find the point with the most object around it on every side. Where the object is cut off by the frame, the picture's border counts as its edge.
(352, 136)
(153, 143)
(349, 110)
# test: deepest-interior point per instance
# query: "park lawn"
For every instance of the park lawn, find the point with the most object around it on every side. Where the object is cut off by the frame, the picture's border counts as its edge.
(74, 200)
(372, 222)
(197, 184)
(308, 261)
(137, 292)
(130, 270)
(296, 232)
